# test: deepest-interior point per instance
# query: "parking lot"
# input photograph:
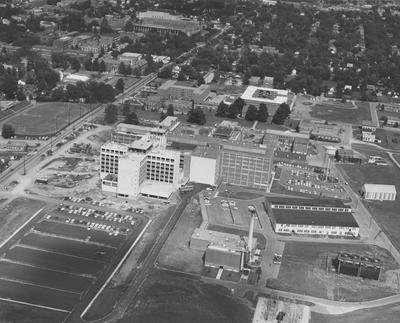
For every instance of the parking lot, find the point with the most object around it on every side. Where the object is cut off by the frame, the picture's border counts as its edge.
(62, 255)
(311, 180)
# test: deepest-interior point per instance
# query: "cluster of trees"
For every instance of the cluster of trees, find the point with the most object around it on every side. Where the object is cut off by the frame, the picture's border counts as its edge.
(170, 112)
(95, 65)
(281, 114)
(65, 61)
(127, 70)
(157, 44)
(111, 114)
(196, 116)
(88, 92)
(7, 131)
(230, 111)
(260, 114)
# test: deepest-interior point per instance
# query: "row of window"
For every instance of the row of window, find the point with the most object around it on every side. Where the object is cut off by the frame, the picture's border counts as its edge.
(313, 208)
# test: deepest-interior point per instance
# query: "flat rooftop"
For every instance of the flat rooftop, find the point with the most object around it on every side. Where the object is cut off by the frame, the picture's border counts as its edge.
(223, 240)
(307, 217)
(306, 202)
(380, 188)
(266, 95)
(157, 189)
(206, 152)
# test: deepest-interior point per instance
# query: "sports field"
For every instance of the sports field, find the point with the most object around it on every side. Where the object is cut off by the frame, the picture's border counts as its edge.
(336, 111)
(47, 118)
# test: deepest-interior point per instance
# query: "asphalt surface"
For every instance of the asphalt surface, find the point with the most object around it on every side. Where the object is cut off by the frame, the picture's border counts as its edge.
(139, 275)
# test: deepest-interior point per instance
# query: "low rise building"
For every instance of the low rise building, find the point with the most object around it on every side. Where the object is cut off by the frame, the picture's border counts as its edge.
(311, 217)
(273, 98)
(175, 90)
(368, 132)
(379, 192)
(165, 23)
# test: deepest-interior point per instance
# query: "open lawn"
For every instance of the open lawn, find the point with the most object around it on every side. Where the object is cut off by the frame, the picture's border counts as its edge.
(386, 214)
(169, 297)
(306, 268)
(176, 253)
(47, 118)
(17, 313)
(15, 213)
(336, 111)
(390, 138)
(385, 314)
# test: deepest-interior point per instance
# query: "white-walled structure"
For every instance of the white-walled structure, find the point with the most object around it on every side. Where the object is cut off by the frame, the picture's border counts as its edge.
(203, 166)
(312, 217)
(379, 192)
(143, 167)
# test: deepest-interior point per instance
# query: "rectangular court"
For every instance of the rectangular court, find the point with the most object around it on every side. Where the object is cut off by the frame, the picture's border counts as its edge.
(54, 265)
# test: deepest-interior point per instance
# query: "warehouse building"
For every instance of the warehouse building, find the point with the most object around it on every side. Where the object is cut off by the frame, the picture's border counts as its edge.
(311, 217)
(379, 192)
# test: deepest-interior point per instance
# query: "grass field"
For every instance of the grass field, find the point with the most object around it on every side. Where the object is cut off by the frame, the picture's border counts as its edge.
(15, 213)
(386, 214)
(176, 253)
(26, 314)
(385, 314)
(390, 139)
(169, 297)
(305, 269)
(341, 112)
(46, 118)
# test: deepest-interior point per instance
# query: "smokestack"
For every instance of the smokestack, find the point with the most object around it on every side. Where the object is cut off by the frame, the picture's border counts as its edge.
(250, 242)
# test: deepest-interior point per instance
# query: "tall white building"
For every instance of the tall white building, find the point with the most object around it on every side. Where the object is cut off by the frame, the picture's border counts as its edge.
(143, 167)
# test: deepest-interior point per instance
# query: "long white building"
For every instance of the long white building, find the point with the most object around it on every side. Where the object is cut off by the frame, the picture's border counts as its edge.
(379, 192)
(312, 217)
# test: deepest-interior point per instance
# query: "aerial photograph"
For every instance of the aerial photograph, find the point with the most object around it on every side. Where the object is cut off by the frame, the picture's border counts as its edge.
(199, 161)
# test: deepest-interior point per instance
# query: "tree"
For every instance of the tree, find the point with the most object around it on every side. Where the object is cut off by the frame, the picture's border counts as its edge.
(281, 114)
(162, 116)
(8, 85)
(126, 109)
(111, 114)
(251, 113)
(262, 114)
(128, 26)
(170, 110)
(75, 64)
(120, 85)
(132, 118)
(122, 69)
(7, 131)
(222, 109)
(196, 116)
(200, 80)
(165, 73)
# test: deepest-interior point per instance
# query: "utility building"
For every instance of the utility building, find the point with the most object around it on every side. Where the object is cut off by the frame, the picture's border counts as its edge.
(379, 192)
